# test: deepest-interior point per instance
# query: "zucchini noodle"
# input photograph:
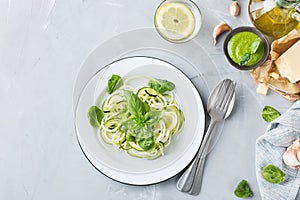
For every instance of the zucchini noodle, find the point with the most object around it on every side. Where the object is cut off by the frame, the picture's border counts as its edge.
(115, 108)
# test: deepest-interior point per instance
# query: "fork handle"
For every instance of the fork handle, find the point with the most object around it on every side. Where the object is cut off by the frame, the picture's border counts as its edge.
(186, 180)
(196, 187)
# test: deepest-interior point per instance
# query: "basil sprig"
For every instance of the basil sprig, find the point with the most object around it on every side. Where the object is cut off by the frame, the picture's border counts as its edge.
(246, 58)
(137, 124)
(160, 85)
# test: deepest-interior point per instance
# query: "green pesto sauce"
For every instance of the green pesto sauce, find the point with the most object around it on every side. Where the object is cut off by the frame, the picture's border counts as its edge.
(245, 48)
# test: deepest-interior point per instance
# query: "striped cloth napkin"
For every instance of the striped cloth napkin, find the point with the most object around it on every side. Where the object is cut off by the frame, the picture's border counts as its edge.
(269, 149)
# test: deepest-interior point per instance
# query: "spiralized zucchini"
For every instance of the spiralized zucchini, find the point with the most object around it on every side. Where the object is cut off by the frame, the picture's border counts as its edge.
(116, 112)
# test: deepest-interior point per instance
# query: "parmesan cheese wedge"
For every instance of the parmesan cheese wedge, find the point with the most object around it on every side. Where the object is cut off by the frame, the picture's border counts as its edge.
(274, 75)
(262, 89)
(288, 63)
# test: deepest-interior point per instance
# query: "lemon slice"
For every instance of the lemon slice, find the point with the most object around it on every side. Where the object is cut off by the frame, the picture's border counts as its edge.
(175, 21)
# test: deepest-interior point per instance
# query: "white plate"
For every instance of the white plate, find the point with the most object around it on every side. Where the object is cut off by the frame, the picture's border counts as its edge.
(117, 164)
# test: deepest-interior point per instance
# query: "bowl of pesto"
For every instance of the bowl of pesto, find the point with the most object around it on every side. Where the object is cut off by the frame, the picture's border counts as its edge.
(246, 48)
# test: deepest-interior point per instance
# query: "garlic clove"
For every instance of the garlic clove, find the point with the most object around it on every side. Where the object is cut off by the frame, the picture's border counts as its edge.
(296, 145)
(295, 167)
(234, 8)
(219, 29)
(298, 155)
(290, 158)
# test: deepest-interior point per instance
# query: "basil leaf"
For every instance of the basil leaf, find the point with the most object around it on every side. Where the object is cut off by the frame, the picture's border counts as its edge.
(243, 190)
(95, 116)
(152, 117)
(269, 113)
(160, 85)
(129, 125)
(147, 107)
(255, 45)
(135, 106)
(273, 174)
(245, 59)
(114, 83)
(146, 143)
(145, 139)
(144, 132)
(129, 137)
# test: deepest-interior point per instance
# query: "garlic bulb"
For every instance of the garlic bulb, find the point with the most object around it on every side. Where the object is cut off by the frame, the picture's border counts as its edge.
(291, 156)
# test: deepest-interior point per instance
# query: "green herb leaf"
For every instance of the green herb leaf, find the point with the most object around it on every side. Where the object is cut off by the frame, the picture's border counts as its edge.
(114, 83)
(146, 143)
(255, 45)
(160, 85)
(273, 174)
(135, 106)
(145, 139)
(269, 113)
(152, 117)
(243, 190)
(95, 116)
(144, 132)
(245, 59)
(147, 107)
(129, 125)
(129, 137)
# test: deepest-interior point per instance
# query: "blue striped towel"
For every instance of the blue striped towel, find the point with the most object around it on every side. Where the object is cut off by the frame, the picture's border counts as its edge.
(269, 149)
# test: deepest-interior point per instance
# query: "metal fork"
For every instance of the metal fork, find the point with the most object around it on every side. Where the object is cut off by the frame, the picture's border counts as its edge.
(218, 105)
